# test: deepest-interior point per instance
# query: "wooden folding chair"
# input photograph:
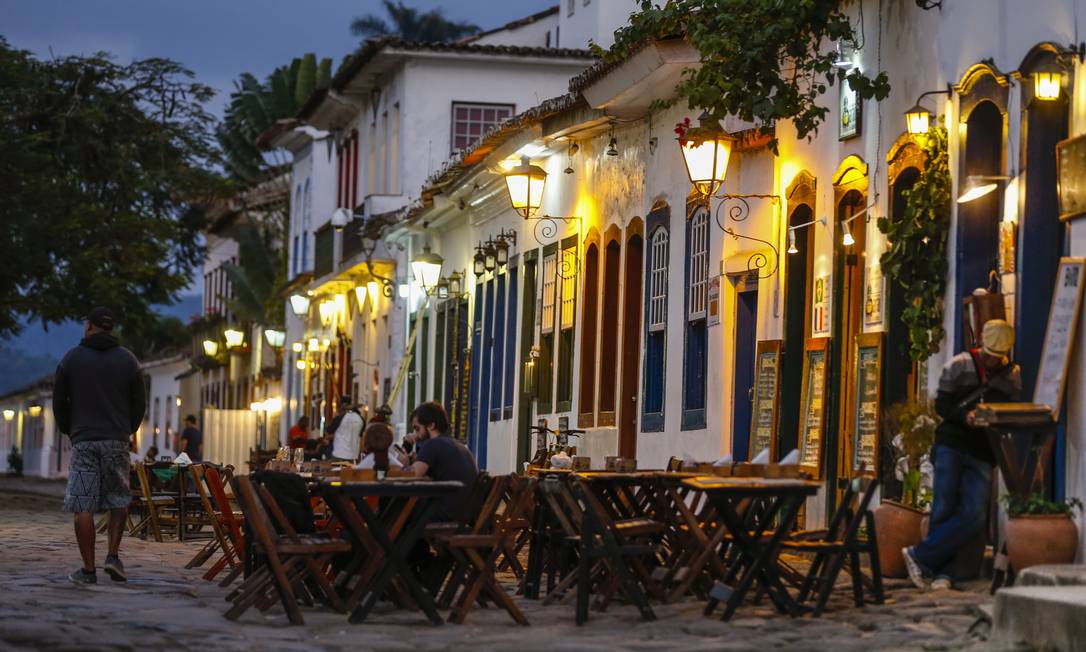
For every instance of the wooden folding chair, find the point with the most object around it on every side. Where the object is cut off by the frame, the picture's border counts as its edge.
(477, 553)
(161, 508)
(219, 539)
(292, 559)
(230, 523)
(839, 543)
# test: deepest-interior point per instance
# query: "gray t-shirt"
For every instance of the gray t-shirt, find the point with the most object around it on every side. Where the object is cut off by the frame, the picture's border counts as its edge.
(448, 459)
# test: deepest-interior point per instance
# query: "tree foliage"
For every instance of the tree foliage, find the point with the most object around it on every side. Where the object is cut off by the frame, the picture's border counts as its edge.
(410, 24)
(762, 60)
(917, 254)
(255, 106)
(256, 277)
(162, 335)
(103, 169)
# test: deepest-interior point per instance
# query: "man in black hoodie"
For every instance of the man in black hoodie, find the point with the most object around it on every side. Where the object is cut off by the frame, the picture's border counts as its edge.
(98, 401)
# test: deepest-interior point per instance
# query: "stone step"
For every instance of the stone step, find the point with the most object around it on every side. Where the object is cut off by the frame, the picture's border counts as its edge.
(1042, 617)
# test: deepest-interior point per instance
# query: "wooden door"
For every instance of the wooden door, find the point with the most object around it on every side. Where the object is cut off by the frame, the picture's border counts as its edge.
(849, 270)
(631, 343)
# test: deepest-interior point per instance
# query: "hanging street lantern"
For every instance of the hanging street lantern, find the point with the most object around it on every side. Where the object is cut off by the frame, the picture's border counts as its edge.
(490, 262)
(918, 120)
(326, 309)
(706, 157)
(211, 348)
(234, 338)
(299, 304)
(276, 338)
(454, 284)
(525, 185)
(479, 262)
(443, 289)
(426, 268)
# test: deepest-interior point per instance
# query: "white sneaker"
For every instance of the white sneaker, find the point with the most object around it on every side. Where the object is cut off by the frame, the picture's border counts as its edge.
(916, 574)
(941, 583)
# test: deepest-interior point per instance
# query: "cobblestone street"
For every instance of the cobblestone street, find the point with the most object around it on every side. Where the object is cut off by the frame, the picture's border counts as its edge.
(164, 606)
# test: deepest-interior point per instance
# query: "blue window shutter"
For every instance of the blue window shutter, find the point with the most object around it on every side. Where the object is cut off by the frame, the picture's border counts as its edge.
(476, 350)
(497, 350)
(510, 341)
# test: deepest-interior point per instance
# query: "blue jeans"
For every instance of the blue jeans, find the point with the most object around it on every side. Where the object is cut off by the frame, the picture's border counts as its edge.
(959, 511)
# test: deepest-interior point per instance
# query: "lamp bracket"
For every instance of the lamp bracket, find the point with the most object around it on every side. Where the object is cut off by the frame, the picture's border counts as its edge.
(546, 226)
(758, 264)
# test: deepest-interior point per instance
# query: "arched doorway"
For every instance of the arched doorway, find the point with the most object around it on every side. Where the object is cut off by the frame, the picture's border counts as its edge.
(850, 200)
(589, 330)
(609, 342)
(798, 270)
(982, 115)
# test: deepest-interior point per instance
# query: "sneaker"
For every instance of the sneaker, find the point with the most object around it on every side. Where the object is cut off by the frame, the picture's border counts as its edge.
(115, 568)
(916, 573)
(941, 583)
(81, 577)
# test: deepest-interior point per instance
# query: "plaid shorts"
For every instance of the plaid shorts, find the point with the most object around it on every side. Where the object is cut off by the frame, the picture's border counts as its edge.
(97, 477)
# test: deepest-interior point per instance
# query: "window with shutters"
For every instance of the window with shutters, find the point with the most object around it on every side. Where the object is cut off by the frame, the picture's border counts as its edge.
(549, 288)
(654, 369)
(695, 337)
(658, 281)
(568, 274)
(698, 251)
(545, 363)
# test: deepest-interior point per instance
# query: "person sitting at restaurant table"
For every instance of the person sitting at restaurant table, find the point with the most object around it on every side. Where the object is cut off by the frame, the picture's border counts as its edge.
(375, 444)
(299, 433)
(151, 455)
(440, 457)
(347, 429)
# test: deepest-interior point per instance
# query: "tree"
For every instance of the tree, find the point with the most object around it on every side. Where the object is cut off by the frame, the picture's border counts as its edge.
(411, 25)
(256, 278)
(254, 107)
(162, 336)
(103, 171)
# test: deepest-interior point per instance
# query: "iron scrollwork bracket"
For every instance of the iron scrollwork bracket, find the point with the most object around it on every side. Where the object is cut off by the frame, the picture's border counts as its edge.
(546, 228)
(759, 264)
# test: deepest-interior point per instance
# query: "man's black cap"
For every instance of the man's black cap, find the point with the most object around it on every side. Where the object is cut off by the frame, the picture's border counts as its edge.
(102, 318)
(345, 399)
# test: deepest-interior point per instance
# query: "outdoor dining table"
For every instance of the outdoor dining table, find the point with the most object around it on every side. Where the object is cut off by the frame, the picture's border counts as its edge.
(381, 541)
(756, 534)
(174, 481)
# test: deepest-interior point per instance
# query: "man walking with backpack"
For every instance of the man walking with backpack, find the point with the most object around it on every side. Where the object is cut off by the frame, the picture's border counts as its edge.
(98, 401)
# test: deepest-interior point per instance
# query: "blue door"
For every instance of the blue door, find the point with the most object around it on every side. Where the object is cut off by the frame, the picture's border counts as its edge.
(746, 342)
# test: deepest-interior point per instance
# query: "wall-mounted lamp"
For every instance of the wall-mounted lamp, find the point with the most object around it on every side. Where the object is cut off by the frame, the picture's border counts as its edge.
(211, 348)
(314, 344)
(1047, 85)
(846, 237)
(842, 62)
(234, 338)
(276, 338)
(426, 268)
(34, 410)
(792, 249)
(9, 415)
(299, 365)
(706, 153)
(327, 310)
(918, 119)
(297, 347)
(455, 284)
(299, 304)
(479, 260)
(977, 186)
(501, 245)
(490, 256)
(525, 184)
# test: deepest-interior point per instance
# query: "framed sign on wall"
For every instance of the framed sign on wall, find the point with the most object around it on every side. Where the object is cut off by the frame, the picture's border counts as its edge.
(850, 114)
(867, 407)
(767, 366)
(812, 423)
(1071, 175)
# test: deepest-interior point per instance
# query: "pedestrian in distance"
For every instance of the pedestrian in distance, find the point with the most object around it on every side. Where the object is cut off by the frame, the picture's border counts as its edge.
(191, 440)
(962, 456)
(98, 401)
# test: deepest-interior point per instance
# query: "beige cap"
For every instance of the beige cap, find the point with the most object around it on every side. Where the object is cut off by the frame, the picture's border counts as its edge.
(997, 338)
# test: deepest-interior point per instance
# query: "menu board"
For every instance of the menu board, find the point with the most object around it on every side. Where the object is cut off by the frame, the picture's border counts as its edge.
(1071, 173)
(813, 403)
(1060, 334)
(766, 383)
(865, 416)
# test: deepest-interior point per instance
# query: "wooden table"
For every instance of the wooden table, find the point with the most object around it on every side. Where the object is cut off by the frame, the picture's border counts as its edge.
(755, 534)
(381, 543)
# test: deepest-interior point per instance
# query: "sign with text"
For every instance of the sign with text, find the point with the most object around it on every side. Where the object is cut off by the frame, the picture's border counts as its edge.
(767, 367)
(865, 416)
(1060, 334)
(813, 403)
(1071, 175)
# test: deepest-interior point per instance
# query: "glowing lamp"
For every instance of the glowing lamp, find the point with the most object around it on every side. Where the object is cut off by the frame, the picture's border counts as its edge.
(977, 187)
(299, 303)
(211, 348)
(274, 404)
(792, 249)
(177, 401)
(326, 309)
(1046, 85)
(847, 238)
(443, 289)
(9, 415)
(426, 268)
(314, 344)
(917, 120)
(256, 406)
(276, 338)
(300, 365)
(454, 284)
(297, 347)
(234, 338)
(525, 185)
(374, 290)
(34, 410)
(707, 161)
(479, 261)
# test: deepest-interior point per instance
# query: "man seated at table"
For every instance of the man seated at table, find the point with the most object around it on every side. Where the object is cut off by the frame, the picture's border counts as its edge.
(347, 431)
(441, 457)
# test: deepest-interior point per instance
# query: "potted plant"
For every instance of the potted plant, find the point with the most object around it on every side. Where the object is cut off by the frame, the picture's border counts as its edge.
(1040, 531)
(910, 427)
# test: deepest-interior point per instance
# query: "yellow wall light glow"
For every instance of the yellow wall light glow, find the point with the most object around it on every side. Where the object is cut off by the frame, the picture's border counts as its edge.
(1046, 85)
(707, 161)
(234, 338)
(34, 410)
(9, 415)
(525, 184)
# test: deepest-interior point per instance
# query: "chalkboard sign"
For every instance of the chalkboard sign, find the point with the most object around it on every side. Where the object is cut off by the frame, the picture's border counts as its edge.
(1060, 334)
(813, 403)
(1071, 174)
(865, 415)
(766, 383)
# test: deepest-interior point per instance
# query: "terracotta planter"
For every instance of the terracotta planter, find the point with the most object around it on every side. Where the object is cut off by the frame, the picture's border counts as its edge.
(897, 526)
(1035, 539)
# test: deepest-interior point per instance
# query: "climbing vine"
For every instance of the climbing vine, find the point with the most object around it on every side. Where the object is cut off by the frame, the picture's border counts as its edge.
(916, 258)
(762, 60)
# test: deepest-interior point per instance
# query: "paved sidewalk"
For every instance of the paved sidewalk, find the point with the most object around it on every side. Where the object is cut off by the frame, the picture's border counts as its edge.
(165, 606)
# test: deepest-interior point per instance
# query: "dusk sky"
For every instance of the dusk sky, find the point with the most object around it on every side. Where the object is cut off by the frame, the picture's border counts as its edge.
(217, 40)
